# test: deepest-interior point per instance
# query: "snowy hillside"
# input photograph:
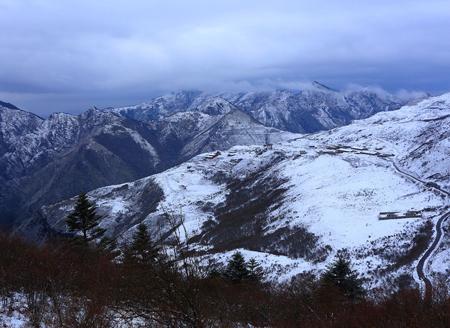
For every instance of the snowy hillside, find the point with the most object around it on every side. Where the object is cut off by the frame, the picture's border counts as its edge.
(293, 204)
(233, 128)
(46, 160)
(309, 110)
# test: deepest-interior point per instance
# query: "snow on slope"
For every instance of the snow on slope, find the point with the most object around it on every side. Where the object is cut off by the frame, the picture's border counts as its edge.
(41, 160)
(365, 186)
(234, 128)
(418, 135)
(30, 139)
(314, 108)
(294, 204)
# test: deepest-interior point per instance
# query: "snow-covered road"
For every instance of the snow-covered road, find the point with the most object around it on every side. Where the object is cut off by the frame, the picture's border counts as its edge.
(421, 264)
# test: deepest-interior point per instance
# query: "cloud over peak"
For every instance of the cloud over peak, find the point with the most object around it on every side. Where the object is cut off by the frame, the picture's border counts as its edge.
(80, 52)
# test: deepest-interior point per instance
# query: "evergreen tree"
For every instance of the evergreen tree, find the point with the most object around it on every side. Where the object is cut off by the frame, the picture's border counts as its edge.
(215, 273)
(84, 220)
(109, 246)
(142, 248)
(215, 270)
(255, 271)
(236, 269)
(341, 275)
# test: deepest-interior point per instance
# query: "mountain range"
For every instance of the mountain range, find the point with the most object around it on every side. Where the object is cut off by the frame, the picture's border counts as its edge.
(376, 187)
(300, 111)
(45, 160)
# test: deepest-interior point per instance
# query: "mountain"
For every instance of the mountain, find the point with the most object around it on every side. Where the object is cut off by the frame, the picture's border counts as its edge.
(233, 128)
(301, 111)
(44, 160)
(183, 101)
(47, 160)
(293, 204)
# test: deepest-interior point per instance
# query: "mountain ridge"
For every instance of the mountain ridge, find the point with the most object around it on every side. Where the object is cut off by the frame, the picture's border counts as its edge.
(300, 111)
(136, 141)
(46, 160)
(294, 204)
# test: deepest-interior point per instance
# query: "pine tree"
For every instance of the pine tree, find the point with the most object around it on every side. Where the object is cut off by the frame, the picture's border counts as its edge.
(142, 248)
(255, 271)
(237, 270)
(84, 220)
(109, 246)
(341, 275)
(215, 272)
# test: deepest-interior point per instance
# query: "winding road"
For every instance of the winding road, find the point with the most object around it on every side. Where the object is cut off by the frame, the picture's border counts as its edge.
(437, 238)
(421, 264)
(438, 189)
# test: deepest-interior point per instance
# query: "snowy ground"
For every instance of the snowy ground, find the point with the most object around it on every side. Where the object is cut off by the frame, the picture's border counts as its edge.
(337, 183)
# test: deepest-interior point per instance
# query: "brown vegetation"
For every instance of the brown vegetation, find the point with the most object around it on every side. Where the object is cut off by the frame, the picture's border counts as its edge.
(62, 285)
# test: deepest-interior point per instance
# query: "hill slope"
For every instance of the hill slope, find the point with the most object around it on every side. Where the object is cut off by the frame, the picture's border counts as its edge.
(294, 204)
(47, 160)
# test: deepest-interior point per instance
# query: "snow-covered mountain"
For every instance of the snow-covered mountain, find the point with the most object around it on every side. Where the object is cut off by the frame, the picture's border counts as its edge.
(233, 128)
(309, 110)
(44, 159)
(293, 204)
(47, 160)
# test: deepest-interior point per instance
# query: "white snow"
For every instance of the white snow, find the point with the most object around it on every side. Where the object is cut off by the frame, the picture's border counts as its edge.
(441, 262)
(115, 205)
(340, 197)
(337, 183)
(183, 189)
(276, 267)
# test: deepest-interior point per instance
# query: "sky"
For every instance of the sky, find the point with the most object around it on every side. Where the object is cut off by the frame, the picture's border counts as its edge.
(64, 55)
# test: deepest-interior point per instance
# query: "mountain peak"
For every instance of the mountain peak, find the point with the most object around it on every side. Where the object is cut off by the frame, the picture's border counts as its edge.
(214, 105)
(322, 86)
(7, 105)
(238, 115)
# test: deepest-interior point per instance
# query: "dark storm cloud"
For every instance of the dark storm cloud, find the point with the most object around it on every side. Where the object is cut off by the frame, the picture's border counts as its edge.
(67, 55)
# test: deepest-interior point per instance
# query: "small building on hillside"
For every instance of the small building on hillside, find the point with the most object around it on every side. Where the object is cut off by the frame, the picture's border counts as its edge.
(399, 215)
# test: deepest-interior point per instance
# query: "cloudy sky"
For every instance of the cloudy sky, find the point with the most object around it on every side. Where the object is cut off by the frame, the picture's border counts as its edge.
(64, 55)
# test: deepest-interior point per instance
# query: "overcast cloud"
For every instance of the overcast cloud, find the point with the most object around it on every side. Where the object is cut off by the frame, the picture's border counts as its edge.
(65, 55)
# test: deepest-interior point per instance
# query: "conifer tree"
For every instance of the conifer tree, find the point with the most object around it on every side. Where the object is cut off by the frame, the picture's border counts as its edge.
(142, 248)
(215, 272)
(236, 269)
(340, 274)
(255, 271)
(84, 220)
(109, 246)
